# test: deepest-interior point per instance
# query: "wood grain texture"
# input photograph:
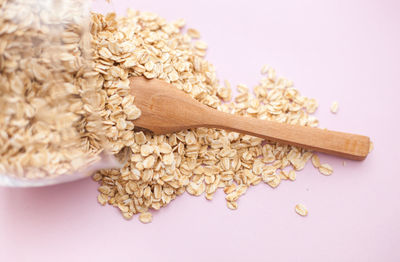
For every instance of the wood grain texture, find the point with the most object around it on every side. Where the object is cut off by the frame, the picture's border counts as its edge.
(166, 109)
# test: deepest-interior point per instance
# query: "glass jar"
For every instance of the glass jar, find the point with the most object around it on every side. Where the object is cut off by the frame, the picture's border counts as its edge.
(50, 131)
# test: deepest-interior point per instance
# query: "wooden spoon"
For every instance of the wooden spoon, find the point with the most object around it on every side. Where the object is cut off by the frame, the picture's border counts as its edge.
(166, 109)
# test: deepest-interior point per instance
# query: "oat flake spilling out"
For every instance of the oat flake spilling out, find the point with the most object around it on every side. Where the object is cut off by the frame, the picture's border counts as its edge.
(158, 168)
(47, 90)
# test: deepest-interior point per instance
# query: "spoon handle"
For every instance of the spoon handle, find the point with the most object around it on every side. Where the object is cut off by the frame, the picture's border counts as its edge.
(166, 109)
(350, 146)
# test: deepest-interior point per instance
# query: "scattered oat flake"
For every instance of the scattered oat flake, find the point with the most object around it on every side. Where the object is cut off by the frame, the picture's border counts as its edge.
(292, 175)
(264, 69)
(145, 217)
(301, 210)
(193, 33)
(325, 169)
(315, 161)
(127, 215)
(102, 199)
(371, 146)
(232, 205)
(334, 107)
(201, 45)
(146, 150)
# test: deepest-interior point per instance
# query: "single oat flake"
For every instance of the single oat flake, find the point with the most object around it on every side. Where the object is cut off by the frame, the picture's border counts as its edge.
(334, 107)
(145, 217)
(315, 161)
(193, 33)
(325, 169)
(301, 210)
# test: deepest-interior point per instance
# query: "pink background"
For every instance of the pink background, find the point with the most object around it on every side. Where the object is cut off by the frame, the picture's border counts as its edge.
(347, 51)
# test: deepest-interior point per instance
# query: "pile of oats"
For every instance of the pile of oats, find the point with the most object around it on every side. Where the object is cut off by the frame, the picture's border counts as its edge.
(48, 95)
(158, 168)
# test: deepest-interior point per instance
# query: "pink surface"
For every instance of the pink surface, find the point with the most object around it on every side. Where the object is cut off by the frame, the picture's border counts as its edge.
(347, 51)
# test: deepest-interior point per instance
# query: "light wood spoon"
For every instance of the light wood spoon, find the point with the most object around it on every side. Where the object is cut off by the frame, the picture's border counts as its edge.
(166, 109)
